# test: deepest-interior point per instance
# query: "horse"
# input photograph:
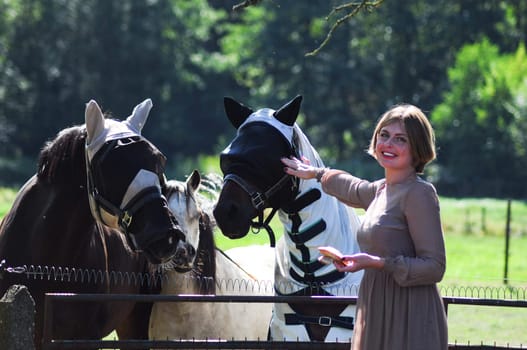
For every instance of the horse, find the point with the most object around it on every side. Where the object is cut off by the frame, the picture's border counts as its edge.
(254, 181)
(94, 207)
(212, 272)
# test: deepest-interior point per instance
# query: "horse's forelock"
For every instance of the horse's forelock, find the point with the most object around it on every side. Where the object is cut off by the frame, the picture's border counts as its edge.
(61, 160)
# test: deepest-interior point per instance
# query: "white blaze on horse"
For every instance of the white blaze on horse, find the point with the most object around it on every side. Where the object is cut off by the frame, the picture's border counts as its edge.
(210, 271)
(254, 180)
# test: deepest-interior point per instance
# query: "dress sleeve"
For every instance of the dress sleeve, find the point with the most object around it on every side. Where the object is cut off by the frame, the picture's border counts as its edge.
(421, 209)
(350, 190)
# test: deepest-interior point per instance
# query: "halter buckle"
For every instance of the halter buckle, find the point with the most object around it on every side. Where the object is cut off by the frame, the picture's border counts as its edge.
(126, 220)
(324, 321)
(258, 200)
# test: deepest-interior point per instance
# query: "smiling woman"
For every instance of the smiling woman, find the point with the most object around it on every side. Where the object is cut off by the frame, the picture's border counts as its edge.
(400, 236)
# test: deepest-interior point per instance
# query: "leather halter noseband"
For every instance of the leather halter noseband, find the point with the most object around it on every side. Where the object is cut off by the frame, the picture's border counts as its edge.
(260, 201)
(113, 215)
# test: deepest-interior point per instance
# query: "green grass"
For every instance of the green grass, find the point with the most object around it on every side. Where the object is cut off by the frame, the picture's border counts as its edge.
(475, 245)
(479, 261)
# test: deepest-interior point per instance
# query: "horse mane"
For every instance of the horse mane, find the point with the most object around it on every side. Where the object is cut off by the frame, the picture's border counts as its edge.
(62, 160)
(205, 263)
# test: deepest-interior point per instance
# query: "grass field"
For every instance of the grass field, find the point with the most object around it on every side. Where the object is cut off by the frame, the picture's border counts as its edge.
(475, 244)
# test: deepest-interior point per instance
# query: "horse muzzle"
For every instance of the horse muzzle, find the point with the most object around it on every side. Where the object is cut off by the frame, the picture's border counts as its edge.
(232, 219)
(183, 260)
(234, 211)
(164, 249)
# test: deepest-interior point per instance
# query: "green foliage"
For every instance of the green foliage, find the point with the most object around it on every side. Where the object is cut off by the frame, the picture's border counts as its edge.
(58, 57)
(180, 168)
(479, 124)
(7, 197)
(187, 55)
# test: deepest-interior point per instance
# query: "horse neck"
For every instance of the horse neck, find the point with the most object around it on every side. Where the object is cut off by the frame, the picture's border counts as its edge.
(340, 224)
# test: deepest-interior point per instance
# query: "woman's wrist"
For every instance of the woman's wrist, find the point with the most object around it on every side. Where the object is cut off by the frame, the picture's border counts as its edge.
(319, 172)
(380, 263)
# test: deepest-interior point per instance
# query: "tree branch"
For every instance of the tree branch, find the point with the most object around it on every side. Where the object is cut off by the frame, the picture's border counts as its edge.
(354, 7)
(244, 4)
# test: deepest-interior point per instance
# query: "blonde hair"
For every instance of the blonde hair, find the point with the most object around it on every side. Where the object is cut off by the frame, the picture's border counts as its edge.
(420, 133)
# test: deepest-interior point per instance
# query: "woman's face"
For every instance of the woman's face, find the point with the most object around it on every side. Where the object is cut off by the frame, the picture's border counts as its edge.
(393, 147)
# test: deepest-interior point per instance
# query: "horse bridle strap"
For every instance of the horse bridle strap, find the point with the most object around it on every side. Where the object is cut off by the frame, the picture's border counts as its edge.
(259, 201)
(326, 321)
(123, 217)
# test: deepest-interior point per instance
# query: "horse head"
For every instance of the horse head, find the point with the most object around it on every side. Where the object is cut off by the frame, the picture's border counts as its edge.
(254, 178)
(125, 178)
(182, 202)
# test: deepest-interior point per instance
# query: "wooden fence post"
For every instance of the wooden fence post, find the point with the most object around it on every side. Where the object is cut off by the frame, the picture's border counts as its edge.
(507, 238)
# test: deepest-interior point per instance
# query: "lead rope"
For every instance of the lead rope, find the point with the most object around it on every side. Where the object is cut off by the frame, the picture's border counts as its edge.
(261, 223)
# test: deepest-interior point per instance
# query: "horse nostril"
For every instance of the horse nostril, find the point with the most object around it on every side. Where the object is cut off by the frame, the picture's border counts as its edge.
(191, 250)
(232, 210)
(180, 254)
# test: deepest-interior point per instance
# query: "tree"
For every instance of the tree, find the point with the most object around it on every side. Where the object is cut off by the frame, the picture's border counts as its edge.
(55, 55)
(59, 55)
(480, 124)
(397, 53)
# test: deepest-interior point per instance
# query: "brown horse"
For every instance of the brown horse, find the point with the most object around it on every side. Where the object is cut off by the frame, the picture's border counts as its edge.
(94, 206)
(254, 180)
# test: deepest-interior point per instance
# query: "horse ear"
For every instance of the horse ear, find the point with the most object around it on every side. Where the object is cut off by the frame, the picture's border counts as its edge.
(288, 113)
(94, 121)
(137, 120)
(193, 181)
(236, 112)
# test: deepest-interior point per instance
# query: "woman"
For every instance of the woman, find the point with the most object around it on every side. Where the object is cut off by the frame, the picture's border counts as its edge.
(401, 239)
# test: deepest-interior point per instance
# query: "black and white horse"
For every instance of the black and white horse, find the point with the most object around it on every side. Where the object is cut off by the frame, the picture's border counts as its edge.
(254, 180)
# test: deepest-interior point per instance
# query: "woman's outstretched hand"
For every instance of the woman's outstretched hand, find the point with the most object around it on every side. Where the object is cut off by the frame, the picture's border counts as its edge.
(359, 261)
(299, 168)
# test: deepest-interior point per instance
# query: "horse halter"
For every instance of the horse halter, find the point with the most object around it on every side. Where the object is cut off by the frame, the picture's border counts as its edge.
(260, 199)
(120, 216)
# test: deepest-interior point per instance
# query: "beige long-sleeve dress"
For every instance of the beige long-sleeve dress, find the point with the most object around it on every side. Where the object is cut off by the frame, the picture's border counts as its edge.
(399, 307)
